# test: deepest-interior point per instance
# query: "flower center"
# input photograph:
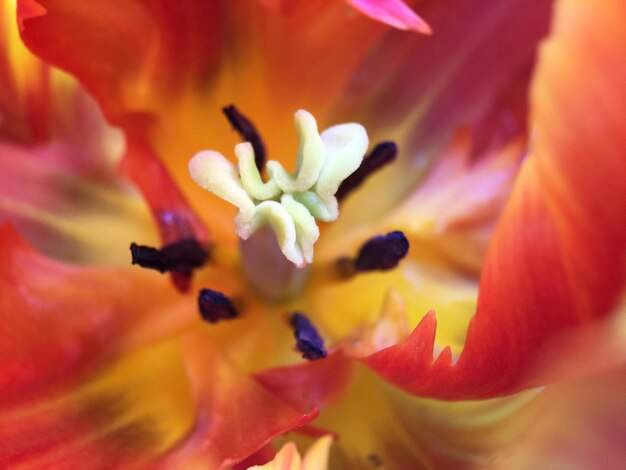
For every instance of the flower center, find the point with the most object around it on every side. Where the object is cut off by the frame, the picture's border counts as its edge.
(287, 204)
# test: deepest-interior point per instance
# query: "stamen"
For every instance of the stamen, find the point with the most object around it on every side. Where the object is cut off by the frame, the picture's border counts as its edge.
(288, 203)
(382, 253)
(248, 132)
(308, 340)
(383, 154)
(182, 256)
(215, 306)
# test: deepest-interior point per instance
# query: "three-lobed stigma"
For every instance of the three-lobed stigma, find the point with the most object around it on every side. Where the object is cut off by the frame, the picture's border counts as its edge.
(288, 203)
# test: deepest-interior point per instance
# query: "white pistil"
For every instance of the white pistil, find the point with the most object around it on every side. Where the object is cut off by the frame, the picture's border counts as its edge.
(289, 204)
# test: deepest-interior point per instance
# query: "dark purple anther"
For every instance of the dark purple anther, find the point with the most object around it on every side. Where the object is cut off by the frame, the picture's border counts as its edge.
(382, 252)
(181, 257)
(381, 155)
(248, 132)
(308, 340)
(215, 306)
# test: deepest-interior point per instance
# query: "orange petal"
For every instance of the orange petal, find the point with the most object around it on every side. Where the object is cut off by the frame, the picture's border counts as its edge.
(133, 58)
(111, 418)
(556, 259)
(393, 12)
(130, 55)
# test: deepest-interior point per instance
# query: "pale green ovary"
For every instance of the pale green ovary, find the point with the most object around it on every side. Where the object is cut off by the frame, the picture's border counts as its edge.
(288, 203)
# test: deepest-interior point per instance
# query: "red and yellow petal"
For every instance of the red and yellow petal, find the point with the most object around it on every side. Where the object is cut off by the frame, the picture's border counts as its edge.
(61, 322)
(556, 259)
(94, 372)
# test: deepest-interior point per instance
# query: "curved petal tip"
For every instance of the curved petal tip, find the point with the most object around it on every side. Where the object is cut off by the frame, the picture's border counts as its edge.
(394, 13)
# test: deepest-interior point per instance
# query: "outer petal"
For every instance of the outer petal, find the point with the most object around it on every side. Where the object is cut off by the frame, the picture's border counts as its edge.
(557, 258)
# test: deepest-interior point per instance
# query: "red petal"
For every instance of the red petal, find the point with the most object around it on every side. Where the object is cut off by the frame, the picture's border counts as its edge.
(311, 384)
(260, 457)
(556, 259)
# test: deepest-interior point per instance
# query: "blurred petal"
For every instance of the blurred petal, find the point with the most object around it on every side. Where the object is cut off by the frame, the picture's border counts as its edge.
(579, 421)
(111, 419)
(393, 12)
(556, 259)
(57, 162)
(132, 55)
(473, 73)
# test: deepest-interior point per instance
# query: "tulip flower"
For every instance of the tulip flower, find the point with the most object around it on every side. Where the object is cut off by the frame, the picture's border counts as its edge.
(426, 271)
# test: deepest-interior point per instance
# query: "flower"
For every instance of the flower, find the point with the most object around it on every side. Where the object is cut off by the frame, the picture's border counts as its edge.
(106, 364)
